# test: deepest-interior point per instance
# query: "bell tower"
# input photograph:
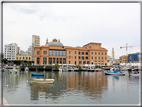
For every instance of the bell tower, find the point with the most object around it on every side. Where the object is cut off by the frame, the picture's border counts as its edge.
(46, 41)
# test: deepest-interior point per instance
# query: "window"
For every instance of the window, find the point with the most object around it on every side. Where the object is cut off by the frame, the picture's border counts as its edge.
(29, 58)
(102, 57)
(17, 57)
(84, 62)
(23, 57)
(61, 53)
(69, 57)
(44, 60)
(105, 53)
(69, 62)
(75, 52)
(79, 53)
(57, 53)
(26, 57)
(64, 60)
(82, 53)
(50, 60)
(99, 57)
(86, 57)
(92, 57)
(95, 53)
(92, 53)
(38, 52)
(75, 57)
(69, 52)
(79, 57)
(53, 60)
(57, 60)
(60, 60)
(38, 59)
(88, 62)
(50, 52)
(82, 57)
(102, 53)
(44, 52)
(99, 53)
(105, 57)
(86, 53)
(79, 62)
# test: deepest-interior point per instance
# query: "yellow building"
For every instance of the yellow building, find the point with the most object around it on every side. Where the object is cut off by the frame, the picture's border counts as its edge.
(55, 52)
(23, 57)
(123, 59)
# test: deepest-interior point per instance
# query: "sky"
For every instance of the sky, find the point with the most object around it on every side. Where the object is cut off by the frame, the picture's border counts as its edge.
(75, 24)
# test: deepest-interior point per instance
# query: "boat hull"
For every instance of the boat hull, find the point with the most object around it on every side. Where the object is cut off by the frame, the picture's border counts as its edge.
(134, 74)
(47, 81)
(109, 73)
(35, 74)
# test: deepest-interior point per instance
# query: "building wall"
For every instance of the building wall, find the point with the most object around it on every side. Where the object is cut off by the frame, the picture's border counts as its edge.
(23, 58)
(10, 51)
(123, 59)
(35, 42)
(71, 56)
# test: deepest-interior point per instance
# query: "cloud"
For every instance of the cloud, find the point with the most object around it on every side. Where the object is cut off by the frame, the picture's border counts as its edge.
(75, 24)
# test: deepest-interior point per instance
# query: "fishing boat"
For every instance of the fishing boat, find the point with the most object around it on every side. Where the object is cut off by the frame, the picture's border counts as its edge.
(76, 70)
(37, 74)
(134, 74)
(113, 72)
(13, 71)
(49, 81)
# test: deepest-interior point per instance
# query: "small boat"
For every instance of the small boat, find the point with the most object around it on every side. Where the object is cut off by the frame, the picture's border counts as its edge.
(37, 74)
(91, 70)
(134, 74)
(76, 70)
(49, 81)
(13, 71)
(98, 69)
(113, 72)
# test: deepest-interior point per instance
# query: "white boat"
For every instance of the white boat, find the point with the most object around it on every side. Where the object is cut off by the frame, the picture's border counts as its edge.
(134, 74)
(26, 69)
(49, 81)
(13, 71)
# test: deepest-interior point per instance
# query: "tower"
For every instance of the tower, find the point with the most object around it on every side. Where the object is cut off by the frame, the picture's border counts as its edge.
(46, 41)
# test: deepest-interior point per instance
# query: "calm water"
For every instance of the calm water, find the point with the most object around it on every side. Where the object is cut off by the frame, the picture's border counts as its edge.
(71, 88)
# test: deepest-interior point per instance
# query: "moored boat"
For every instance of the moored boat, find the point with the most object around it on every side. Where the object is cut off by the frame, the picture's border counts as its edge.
(37, 74)
(13, 71)
(113, 73)
(49, 81)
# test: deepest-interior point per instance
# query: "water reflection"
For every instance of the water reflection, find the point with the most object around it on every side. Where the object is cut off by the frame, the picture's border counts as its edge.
(86, 87)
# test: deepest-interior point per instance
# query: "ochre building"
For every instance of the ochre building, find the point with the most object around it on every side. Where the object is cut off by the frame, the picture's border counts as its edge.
(55, 52)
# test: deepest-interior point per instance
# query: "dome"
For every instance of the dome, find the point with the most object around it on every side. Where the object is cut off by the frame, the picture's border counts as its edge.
(54, 44)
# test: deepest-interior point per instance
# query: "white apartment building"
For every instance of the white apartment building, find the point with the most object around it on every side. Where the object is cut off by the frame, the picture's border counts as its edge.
(29, 51)
(35, 42)
(10, 51)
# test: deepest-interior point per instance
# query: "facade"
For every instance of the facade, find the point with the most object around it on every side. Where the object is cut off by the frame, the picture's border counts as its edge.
(23, 57)
(35, 42)
(109, 60)
(134, 57)
(10, 51)
(55, 52)
(123, 59)
(29, 51)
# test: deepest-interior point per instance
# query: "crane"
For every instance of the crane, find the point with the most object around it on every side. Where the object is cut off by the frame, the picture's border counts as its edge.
(126, 47)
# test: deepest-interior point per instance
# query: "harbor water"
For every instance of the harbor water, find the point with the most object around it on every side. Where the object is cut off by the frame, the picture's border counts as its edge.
(71, 88)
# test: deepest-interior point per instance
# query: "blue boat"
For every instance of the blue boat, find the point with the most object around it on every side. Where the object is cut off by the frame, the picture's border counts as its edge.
(76, 70)
(37, 74)
(113, 72)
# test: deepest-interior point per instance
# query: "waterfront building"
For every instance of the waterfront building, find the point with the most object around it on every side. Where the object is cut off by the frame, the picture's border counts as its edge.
(10, 51)
(35, 42)
(134, 57)
(55, 52)
(23, 57)
(123, 59)
(29, 51)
